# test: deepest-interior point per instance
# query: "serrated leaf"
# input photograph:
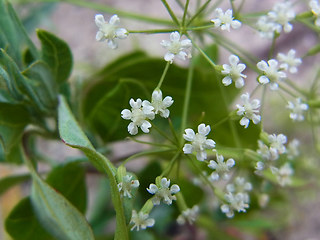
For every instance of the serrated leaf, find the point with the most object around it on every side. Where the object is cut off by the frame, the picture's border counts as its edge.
(72, 135)
(22, 224)
(56, 53)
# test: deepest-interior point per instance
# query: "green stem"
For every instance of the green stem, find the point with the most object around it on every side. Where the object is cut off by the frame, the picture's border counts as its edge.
(168, 169)
(150, 143)
(200, 10)
(211, 62)
(187, 97)
(163, 75)
(185, 13)
(162, 133)
(153, 31)
(287, 90)
(273, 45)
(171, 13)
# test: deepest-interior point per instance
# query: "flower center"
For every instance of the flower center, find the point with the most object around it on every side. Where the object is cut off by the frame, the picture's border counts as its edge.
(138, 116)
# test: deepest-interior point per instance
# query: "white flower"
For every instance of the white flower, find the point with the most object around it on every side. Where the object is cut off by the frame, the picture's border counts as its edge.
(140, 112)
(249, 110)
(160, 106)
(315, 8)
(125, 187)
(109, 31)
(189, 215)
(225, 20)
(222, 168)
(199, 141)
(236, 202)
(163, 192)
(297, 109)
(293, 149)
(141, 220)
(283, 174)
(265, 27)
(277, 144)
(289, 62)
(233, 72)
(239, 185)
(259, 166)
(282, 14)
(271, 72)
(175, 47)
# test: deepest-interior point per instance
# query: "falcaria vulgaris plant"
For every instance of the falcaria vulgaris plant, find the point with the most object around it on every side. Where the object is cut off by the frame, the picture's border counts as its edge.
(223, 137)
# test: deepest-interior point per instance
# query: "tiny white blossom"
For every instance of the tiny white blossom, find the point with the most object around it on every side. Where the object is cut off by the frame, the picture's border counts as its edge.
(225, 20)
(239, 185)
(160, 106)
(233, 72)
(140, 112)
(289, 61)
(125, 187)
(263, 150)
(259, 166)
(222, 168)
(283, 174)
(277, 142)
(249, 110)
(176, 48)
(109, 31)
(189, 215)
(199, 141)
(315, 8)
(265, 27)
(297, 109)
(282, 13)
(141, 220)
(163, 192)
(236, 202)
(271, 73)
(293, 149)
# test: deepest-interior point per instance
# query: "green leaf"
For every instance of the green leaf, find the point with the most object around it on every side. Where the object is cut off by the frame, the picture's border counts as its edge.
(75, 191)
(10, 181)
(13, 34)
(56, 53)
(72, 135)
(22, 223)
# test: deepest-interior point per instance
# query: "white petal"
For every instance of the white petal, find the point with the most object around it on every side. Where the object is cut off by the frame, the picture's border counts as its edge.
(239, 83)
(189, 136)
(99, 20)
(153, 189)
(174, 36)
(233, 59)
(126, 114)
(145, 126)
(186, 43)
(121, 33)
(203, 129)
(112, 44)
(99, 36)
(165, 183)
(263, 80)
(244, 122)
(212, 164)
(132, 128)
(235, 24)
(165, 43)
(210, 143)
(214, 176)
(274, 86)
(262, 65)
(114, 20)
(187, 149)
(169, 57)
(230, 163)
(167, 101)
(201, 155)
(174, 189)
(227, 80)
(157, 95)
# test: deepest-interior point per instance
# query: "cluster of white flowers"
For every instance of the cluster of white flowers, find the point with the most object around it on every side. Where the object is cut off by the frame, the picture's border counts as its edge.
(289, 62)
(283, 174)
(142, 111)
(141, 220)
(298, 108)
(221, 168)
(233, 72)
(189, 215)
(276, 20)
(109, 31)
(249, 110)
(163, 192)
(237, 197)
(126, 185)
(293, 149)
(176, 48)
(315, 9)
(271, 73)
(225, 20)
(199, 141)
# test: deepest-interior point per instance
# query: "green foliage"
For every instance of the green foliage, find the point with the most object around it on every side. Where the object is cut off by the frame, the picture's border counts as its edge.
(8, 182)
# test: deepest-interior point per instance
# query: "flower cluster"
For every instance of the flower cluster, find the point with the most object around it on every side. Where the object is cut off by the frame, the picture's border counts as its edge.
(315, 9)
(249, 110)
(199, 141)
(176, 48)
(297, 109)
(126, 185)
(163, 192)
(237, 197)
(233, 72)
(141, 220)
(271, 73)
(276, 20)
(189, 215)
(142, 111)
(283, 174)
(225, 20)
(289, 62)
(221, 168)
(109, 31)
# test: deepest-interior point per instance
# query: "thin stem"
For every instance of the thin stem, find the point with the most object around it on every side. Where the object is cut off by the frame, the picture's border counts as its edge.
(168, 169)
(171, 13)
(185, 13)
(152, 31)
(273, 45)
(211, 62)
(149, 143)
(287, 90)
(220, 122)
(163, 75)
(173, 132)
(200, 10)
(162, 133)
(187, 97)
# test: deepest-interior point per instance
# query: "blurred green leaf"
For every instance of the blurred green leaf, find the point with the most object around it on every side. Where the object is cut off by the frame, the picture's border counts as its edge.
(72, 135)
(56, 53)
(22, 224)
(10, 181)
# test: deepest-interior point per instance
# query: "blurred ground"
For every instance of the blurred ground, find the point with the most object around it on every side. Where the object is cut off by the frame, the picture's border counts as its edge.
(76, 26)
